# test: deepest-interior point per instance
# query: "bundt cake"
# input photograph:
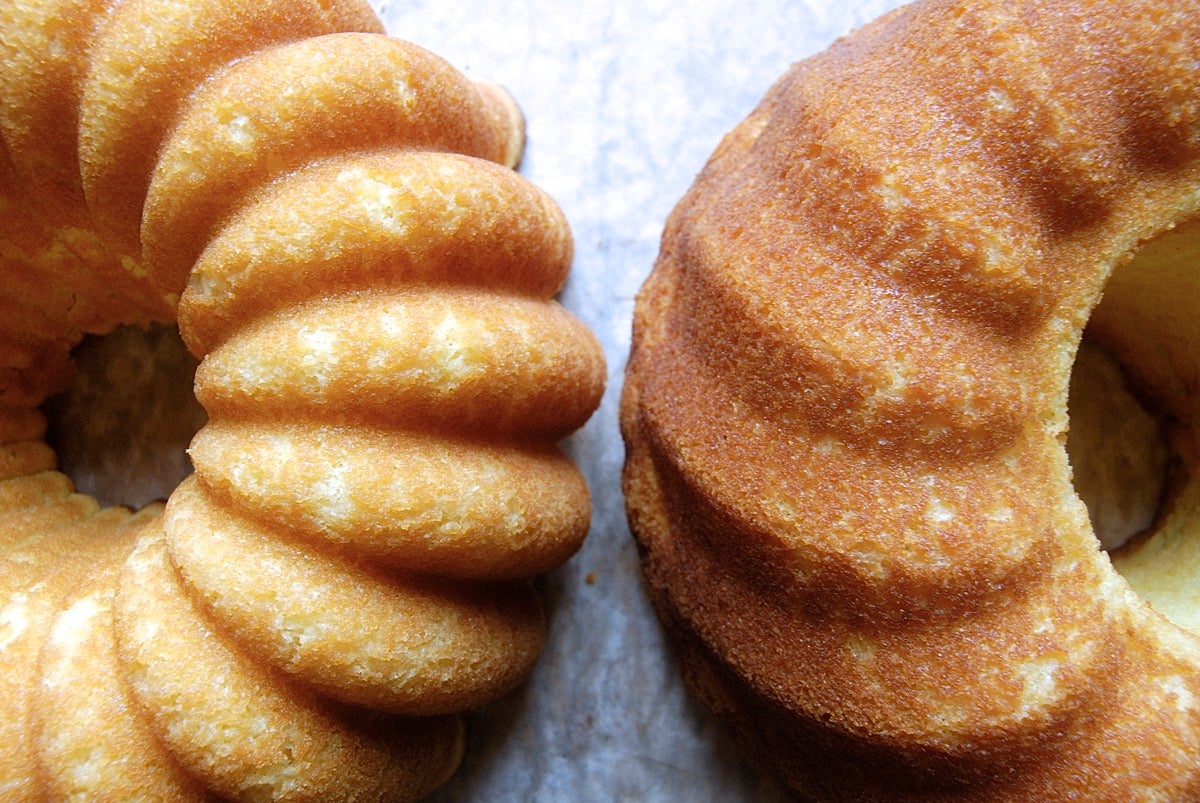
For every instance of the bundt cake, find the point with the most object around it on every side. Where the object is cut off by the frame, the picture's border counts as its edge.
(847, 399)
(332, 217)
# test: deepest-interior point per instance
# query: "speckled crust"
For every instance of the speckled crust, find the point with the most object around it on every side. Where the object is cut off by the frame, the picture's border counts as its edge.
(846, 402)
(332, 216)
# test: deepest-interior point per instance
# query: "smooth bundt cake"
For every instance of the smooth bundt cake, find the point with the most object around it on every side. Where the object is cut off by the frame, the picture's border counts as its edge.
(846, 406)
(333, 218)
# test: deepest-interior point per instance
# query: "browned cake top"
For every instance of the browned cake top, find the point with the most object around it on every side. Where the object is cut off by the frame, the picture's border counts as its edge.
(847, 399)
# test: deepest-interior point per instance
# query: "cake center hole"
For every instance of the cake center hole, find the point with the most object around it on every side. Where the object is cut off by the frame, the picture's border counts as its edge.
(1117, 449)
(122, 428)
(1134, 438)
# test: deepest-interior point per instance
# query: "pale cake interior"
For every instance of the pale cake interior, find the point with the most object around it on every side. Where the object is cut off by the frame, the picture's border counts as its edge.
(1135, 421)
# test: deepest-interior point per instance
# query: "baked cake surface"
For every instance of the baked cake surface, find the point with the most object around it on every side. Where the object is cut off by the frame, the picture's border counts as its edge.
(333, 217)
(847, 399)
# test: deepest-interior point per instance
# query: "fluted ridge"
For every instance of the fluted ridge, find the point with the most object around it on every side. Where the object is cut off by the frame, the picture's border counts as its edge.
(333, 216)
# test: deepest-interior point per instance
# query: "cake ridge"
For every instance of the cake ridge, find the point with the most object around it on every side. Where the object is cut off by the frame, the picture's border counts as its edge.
(233, 134)
(188, 42)
(349, 460)
(880, 610)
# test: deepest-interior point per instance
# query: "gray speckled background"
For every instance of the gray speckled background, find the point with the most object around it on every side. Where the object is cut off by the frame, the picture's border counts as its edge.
(624, 101)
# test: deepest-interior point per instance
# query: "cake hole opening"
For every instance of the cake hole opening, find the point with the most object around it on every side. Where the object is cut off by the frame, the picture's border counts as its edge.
(122, 427)
(1117, 447)
(1134, 408)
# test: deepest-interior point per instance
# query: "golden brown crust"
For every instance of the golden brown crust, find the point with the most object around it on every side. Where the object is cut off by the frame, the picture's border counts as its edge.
(386, 377)
(376, 219)
(359, 635)
(442, 506)
(91, 737)
(155, 54)
(255, 733)
(237, 132)
(51, 547)
(846, 398)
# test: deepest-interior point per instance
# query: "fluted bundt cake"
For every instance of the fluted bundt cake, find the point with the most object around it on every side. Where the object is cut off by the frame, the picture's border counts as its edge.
(847, 401)
(332, 217)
